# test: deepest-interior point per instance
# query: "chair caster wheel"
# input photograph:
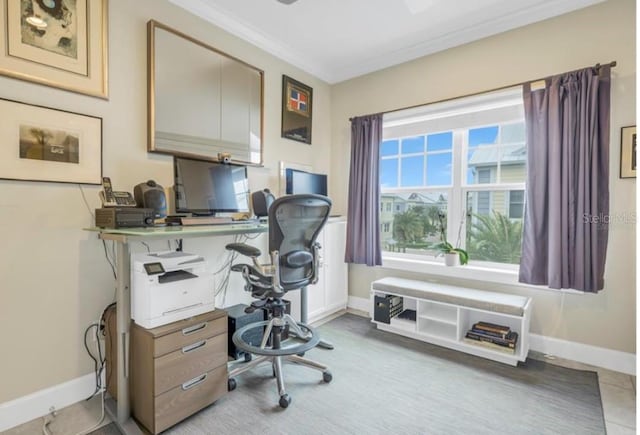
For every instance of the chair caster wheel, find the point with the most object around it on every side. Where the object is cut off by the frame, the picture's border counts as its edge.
(231, 384)
(327, 376)
(247, 357)
(285, 401)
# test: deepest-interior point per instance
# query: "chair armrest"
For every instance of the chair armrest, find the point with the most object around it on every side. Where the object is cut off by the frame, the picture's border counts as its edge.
(244, 249)
(251, 272)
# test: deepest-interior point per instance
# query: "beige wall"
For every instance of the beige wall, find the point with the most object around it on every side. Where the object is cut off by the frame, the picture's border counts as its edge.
(598, 34)
(55, 280)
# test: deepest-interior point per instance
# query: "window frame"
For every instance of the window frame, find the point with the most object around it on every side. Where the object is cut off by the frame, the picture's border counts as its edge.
(457, 192)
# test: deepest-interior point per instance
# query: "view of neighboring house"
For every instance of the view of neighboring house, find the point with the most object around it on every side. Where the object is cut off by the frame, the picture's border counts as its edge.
(491, 192)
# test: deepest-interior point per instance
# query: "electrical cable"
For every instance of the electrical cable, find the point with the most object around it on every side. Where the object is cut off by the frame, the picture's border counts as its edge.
(86, 202)
(45, 425)
(106, 254)
(97, 425)
(95, 361)
(147, 246)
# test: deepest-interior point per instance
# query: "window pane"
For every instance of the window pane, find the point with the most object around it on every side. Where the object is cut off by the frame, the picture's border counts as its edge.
(439, 169)
(483, 136)
(513, 161)
(413, 226)
(491, 234)
(413, 145)
(389, 147)
(440, 141)
(513, 133)
(412, 171)
(516, 204)
(482, 165)
(388, 173)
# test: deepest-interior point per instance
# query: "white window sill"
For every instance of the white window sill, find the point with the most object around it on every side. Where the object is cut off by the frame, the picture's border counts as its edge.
(485, 273)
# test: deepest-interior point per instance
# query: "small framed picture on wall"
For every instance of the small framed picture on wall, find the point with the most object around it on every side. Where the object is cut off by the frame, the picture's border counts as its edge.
(628, 152)
(296, 110)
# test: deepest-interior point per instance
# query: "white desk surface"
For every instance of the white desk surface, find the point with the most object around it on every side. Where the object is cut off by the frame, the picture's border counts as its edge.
(179, 231)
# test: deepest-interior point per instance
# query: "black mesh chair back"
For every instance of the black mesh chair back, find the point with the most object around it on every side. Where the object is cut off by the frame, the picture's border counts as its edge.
(294, 224)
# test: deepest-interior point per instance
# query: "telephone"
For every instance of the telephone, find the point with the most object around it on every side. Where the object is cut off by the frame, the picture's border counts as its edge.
(110, 198)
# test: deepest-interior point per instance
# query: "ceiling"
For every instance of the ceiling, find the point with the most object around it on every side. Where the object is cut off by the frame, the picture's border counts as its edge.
(336, 40)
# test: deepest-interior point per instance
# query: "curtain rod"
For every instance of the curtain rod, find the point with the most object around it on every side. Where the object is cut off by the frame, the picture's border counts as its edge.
(597, 66)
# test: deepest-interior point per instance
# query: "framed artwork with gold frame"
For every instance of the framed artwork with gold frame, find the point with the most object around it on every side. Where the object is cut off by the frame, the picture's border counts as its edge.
(628, 152)
(297, 104)
(58, 43)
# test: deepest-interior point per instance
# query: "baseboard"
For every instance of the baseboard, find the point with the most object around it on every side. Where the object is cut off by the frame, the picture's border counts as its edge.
(35, 405)
(597, 356)
(362, 304)
(585, 353)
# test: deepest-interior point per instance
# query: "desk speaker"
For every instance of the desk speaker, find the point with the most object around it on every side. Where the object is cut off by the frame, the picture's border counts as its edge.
(151, 195)
(261, 201)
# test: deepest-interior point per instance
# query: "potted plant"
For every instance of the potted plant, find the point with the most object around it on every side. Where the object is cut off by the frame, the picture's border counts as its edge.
(453, 256)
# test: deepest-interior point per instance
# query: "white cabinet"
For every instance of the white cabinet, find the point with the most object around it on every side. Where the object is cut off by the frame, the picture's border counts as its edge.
(330, 294)
(444, 314)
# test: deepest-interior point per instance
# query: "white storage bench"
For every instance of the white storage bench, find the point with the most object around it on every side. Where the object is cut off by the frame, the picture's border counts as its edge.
(445, 313)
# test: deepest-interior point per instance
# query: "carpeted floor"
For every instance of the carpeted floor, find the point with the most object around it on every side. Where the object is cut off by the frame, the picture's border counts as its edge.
(387, 384)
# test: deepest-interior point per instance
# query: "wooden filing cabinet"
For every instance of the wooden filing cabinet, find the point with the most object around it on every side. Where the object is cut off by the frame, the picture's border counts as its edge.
(177, 369)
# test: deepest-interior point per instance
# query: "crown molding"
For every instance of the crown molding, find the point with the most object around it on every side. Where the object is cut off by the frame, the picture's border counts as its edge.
(207, 11)
(337, 73)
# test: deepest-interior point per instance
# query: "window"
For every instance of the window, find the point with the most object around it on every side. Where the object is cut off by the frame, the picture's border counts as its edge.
(516, 204)
(464, 159)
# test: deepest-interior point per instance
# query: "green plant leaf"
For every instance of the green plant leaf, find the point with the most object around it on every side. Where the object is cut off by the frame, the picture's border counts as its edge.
(464, 256)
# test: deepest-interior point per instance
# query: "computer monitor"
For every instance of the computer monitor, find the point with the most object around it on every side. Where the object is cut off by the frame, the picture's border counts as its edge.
(305, 182)
(206, 188)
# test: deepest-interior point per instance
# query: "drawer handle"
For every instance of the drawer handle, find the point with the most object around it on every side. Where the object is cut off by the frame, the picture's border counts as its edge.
(193, 382)
(194, 328)
(194, 346)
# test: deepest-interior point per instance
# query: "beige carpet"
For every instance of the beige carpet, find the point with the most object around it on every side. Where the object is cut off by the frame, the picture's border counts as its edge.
(387, 384)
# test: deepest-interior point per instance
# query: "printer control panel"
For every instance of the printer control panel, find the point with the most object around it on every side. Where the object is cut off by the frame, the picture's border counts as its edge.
(153, 268)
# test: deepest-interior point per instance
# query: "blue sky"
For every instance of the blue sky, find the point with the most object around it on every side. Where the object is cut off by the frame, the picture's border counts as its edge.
(438, 164)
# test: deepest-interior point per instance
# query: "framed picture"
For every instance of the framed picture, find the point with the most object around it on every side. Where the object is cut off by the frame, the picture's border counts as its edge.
(628, 152)
(59, 43)
(43, 144)
(297, 103)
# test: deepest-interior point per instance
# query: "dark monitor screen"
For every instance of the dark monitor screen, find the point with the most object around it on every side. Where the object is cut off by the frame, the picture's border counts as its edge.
(203, 187)
(305, 182)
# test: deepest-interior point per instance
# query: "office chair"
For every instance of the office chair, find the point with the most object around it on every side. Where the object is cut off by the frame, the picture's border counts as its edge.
(294, 224)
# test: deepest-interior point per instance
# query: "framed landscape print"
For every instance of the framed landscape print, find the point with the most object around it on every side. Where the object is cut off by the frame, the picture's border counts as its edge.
(628, 152)
(59, 43)
(297, 103)
(43, 144)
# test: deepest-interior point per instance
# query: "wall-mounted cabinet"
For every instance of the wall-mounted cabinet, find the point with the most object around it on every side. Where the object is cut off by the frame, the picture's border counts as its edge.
(201, 101)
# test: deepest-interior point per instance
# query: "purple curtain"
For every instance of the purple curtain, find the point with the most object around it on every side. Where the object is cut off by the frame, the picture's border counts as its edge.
(564, 242)
(363, 229)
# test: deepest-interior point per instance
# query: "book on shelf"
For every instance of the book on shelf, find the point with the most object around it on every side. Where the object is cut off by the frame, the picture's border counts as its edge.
(511, 336)
(493, 328)
(490, 334)
(490, 345)
(509, 342)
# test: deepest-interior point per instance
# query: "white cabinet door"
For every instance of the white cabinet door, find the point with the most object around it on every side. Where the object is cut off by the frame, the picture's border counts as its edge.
(316, 293)
(335, 269)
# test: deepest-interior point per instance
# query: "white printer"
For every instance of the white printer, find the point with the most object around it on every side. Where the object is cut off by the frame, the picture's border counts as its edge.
(169, 286)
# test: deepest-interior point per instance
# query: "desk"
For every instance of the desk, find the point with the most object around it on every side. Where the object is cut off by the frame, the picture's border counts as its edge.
(120, 411)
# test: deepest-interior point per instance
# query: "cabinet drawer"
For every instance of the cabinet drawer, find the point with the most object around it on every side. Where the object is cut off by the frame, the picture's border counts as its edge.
(179, 366)
(188, 398)
(189, 334)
